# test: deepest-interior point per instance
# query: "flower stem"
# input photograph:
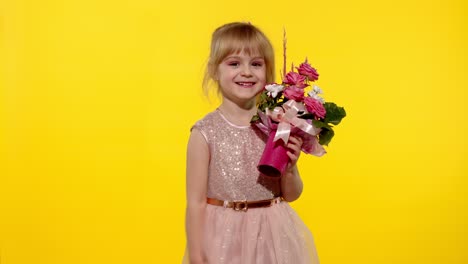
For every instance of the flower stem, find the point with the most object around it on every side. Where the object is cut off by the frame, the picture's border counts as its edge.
(284, 54)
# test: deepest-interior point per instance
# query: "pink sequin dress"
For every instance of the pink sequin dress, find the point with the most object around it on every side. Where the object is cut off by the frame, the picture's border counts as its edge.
(267, 235)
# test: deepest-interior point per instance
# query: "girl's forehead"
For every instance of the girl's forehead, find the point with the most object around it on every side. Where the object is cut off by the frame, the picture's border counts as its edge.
(245, 53)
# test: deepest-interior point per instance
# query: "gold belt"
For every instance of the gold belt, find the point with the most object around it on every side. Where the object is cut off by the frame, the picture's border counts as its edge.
(244, 205)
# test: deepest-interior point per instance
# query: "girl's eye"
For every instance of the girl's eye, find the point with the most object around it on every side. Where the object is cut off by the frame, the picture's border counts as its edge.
(233, 63)
(257, 64)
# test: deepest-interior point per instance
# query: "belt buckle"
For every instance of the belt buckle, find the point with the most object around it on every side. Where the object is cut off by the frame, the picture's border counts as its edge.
(240, 205)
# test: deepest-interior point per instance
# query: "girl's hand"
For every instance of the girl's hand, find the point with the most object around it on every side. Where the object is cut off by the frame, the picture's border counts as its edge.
(294, 150)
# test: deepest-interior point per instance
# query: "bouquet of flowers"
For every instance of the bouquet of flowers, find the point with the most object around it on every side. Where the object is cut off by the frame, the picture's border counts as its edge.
(288, 109)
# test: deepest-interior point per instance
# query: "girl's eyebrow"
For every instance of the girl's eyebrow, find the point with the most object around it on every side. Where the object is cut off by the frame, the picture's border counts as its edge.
(238, 57)
(232, 57)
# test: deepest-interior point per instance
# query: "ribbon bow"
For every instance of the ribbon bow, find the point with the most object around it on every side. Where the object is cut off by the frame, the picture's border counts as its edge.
(287, 120)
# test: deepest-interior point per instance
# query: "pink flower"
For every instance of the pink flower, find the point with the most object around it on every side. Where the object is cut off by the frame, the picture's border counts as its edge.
(294, 78)
(294, 93)
(315, 107)
(307, 70)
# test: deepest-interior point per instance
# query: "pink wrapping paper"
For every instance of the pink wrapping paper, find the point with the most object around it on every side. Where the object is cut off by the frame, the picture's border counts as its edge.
(274, 159)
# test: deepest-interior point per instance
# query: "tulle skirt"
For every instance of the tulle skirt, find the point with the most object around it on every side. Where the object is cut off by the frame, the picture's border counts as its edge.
(268, 235)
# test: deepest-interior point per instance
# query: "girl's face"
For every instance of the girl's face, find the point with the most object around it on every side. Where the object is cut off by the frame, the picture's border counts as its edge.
(241, 77)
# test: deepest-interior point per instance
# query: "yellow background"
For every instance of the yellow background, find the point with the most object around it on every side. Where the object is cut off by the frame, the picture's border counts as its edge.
(97, 98)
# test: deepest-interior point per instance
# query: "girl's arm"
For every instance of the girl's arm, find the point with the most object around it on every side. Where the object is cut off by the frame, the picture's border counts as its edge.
(197, 177)
(291, 182)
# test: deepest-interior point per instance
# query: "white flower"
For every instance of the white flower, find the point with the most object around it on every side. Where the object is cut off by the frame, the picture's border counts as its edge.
(314, 94)
(319, 98)
(274, 89)
(315, 90)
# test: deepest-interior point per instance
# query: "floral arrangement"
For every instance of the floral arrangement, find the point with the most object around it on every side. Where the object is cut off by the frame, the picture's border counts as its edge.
(292, 108)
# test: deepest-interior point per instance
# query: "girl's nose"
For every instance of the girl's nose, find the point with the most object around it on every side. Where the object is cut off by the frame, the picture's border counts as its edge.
(246, 71)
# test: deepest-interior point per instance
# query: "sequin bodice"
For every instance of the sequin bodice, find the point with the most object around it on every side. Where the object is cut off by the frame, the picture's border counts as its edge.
(234, 154)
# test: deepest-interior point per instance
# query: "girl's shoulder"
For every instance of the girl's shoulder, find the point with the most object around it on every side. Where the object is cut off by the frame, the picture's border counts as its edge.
(208, 126)
(208, 121)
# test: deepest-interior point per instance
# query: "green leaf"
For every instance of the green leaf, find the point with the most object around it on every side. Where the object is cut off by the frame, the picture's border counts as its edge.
(320, 124)
(326, 136)
(254, 119)
(334, 113)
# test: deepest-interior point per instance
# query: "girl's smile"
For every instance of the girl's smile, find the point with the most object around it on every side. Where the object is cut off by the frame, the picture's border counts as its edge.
(246, 84)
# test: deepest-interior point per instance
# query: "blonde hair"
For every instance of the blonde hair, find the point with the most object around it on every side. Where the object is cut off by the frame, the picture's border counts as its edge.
(234, 38)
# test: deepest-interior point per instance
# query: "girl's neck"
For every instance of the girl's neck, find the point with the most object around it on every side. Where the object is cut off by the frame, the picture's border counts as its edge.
(238, 115)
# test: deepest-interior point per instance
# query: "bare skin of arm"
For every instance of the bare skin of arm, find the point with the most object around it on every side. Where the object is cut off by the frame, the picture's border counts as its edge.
(198, 158)
(291, 182)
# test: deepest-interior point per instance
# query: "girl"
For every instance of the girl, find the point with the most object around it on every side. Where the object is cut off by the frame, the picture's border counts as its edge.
(234, 213)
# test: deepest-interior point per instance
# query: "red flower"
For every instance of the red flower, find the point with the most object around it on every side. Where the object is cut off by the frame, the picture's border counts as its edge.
(307, 70)
(294, 93)
(294, 78)
(315, 107)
